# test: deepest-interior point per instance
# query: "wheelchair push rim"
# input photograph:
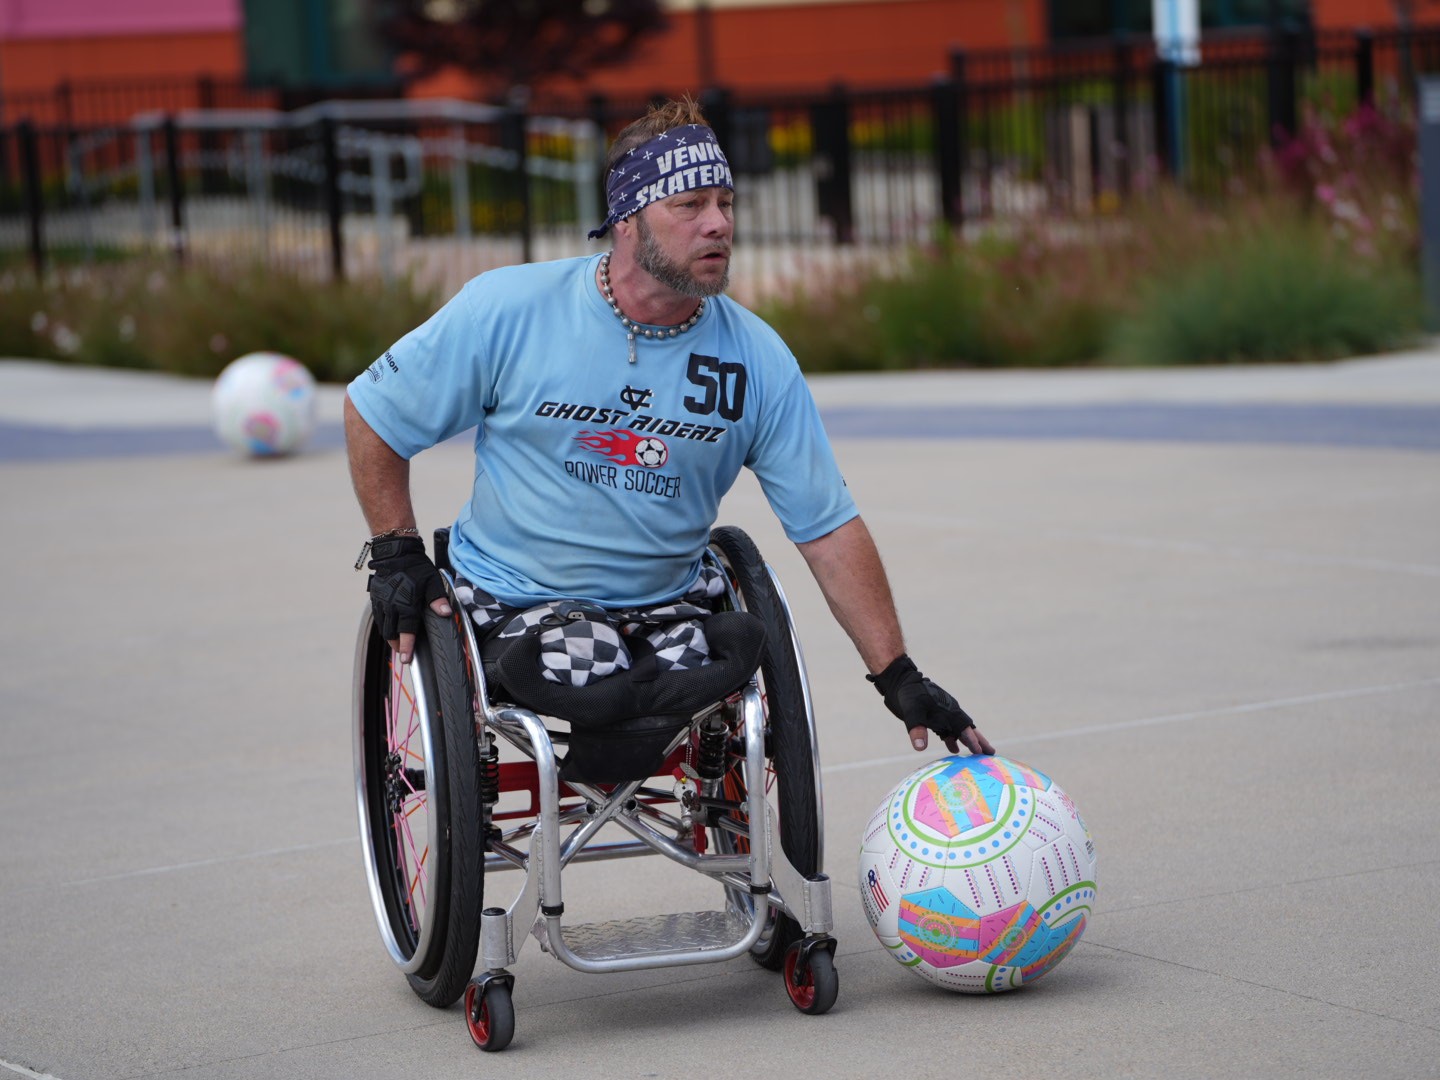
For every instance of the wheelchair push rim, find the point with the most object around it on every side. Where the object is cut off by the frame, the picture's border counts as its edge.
(792, 775)
(398, 775)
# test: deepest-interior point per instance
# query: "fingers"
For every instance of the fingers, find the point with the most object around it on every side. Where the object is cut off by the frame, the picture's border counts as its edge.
(975, 742)
(404, 648)
(441, 607)
(919, 738)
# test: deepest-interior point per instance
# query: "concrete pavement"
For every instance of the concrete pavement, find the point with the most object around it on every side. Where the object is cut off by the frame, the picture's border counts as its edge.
(1225, 649)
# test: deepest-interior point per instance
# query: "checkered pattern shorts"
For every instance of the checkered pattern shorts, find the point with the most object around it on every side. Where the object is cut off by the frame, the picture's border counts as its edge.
(581, 643)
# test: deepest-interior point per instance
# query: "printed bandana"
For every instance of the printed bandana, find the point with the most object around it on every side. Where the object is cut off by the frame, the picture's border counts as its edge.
(681, 159)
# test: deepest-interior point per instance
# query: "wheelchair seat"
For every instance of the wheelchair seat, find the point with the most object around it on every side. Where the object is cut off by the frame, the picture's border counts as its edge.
(736, 640)
(622, 726)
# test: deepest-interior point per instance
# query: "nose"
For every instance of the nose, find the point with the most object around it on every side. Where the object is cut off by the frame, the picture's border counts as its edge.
(717, 222)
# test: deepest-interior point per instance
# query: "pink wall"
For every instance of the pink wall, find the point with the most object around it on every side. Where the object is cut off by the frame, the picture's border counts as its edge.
(92, 18)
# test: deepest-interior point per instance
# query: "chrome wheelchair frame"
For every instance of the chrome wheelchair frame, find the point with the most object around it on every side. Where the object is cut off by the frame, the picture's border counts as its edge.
(428, 784)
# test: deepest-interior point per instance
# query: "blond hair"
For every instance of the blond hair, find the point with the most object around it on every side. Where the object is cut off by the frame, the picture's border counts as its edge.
(662, 117)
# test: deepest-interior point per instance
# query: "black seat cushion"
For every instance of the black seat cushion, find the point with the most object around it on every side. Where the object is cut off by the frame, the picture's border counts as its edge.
(736, 640)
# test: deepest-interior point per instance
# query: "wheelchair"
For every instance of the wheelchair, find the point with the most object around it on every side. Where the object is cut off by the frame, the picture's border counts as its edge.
(706, 771)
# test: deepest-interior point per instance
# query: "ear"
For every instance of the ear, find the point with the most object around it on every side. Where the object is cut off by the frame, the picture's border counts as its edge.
(625, 234)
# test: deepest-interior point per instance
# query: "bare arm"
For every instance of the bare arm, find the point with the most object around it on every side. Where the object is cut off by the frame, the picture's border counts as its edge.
(381, 479)
(380, 476)
(847, 567)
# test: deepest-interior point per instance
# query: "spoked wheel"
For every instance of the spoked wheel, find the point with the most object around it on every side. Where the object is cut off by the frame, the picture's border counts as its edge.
(792, 776)
(812, 981)
(490, 1014)
(417, 777)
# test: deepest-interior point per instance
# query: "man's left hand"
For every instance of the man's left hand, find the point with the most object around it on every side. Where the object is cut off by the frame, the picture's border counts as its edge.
(924, 707)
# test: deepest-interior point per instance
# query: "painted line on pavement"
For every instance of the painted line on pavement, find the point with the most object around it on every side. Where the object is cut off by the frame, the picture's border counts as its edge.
(851, 766)
(1284, 556)
(23, 1071)
(217, 861)
(1173, 718)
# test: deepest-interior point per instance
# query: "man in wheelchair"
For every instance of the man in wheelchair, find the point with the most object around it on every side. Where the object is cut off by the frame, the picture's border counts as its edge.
(615, 399)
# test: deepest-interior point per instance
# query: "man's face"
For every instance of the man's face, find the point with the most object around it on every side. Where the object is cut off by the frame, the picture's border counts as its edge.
(684, 241)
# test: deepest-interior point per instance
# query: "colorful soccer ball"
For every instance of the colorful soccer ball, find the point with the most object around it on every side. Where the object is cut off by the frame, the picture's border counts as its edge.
(977, 873)
(652, 453)
(263, 404)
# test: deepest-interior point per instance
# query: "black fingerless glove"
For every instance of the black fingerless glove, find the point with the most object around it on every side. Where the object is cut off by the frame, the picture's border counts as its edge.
(403, 584)
(918, 702)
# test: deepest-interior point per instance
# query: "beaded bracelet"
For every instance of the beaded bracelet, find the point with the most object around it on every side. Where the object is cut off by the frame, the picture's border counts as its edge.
(408, 530)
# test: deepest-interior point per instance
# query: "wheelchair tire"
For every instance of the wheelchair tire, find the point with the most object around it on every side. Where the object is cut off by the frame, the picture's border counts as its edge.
(418, 788)
(813, 985)
(490, 1015)
(790, 743)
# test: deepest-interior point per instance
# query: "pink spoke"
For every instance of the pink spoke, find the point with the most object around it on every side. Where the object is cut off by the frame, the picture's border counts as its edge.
(409, 836)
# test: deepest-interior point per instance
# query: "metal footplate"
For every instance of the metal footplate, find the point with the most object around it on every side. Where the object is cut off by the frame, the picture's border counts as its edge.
(679, 932)
(695, 937)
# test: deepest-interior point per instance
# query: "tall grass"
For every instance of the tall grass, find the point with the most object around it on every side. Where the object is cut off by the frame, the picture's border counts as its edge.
(1274, 287)
(195, 321)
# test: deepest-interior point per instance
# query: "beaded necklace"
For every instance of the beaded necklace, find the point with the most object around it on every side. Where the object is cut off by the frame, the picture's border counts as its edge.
(633, 328)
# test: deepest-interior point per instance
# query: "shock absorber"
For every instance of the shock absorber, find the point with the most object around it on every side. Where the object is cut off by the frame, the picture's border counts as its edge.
(710, 755)
(489, 784)
(489, 771)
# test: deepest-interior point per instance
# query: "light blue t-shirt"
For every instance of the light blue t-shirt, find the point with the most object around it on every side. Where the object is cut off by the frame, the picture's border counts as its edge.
(595, 478)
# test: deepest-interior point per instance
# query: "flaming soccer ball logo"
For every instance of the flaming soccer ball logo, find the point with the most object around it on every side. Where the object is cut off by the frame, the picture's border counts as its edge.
(625, 447)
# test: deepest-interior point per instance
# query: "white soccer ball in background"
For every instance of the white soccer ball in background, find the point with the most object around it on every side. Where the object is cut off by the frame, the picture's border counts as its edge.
(977, 873)
(264, 404)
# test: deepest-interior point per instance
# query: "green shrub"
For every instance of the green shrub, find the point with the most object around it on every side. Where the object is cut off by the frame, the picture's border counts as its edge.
(1290, 291)
(1034, 300)
(195, 321)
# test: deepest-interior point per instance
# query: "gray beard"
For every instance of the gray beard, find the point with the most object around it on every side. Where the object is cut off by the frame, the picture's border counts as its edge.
(672, 274)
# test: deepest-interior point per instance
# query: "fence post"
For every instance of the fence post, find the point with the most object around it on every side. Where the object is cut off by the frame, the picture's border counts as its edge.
(211, 179)
(715, 104)
(600, 117)
(945, 108)
(512, 135)
(1166, 137)
(1281, 70)
(959, 74)
(177, 192)
(334, 207)
(34, 199)
(830, 120)
(1364, 67)
(1119, 152)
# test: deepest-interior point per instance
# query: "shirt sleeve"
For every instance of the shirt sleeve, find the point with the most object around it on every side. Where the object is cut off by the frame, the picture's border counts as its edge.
(793, 460)
(433, 383)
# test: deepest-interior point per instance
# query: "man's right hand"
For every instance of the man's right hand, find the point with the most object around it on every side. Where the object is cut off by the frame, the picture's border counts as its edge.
(403, 581)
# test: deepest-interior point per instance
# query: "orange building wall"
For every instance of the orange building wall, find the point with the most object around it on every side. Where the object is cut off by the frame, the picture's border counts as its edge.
(1375, 14)
(801, 46)
(41, 63)
(805, 46)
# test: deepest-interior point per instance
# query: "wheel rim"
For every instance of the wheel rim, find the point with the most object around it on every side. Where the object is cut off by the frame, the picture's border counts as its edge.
(795, 810)
(800, 986)
(477, 1015)
(395, 775)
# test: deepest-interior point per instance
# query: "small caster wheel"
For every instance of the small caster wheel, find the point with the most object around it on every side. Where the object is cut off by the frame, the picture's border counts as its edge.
(489, 1014)
(811, 980)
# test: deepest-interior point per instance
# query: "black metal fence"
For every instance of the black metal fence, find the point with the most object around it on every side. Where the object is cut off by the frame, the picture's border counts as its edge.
(210, 170)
